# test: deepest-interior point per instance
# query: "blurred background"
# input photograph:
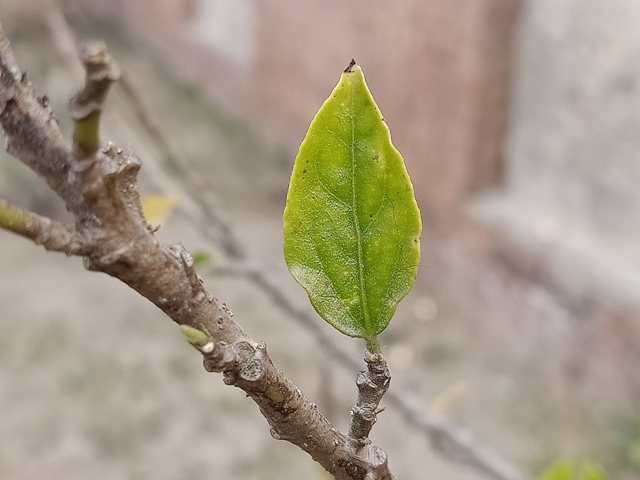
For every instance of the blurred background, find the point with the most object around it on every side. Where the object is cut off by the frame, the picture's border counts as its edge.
(519, 121)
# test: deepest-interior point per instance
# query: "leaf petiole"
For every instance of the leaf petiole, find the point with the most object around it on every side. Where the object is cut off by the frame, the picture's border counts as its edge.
(374, 350)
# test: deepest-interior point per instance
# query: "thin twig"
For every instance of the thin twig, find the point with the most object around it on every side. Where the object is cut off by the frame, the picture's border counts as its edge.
(52, 235)
(372, 384)
(86, 106)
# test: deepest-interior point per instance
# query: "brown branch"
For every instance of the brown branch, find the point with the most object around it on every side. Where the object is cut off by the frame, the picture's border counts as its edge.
(36, 138)
(372, 385)
(99, 187)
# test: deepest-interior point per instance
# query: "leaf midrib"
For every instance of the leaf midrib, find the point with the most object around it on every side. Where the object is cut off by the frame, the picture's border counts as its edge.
(356, 223)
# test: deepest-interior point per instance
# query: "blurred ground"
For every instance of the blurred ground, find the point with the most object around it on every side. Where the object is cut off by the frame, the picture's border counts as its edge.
(96, 384)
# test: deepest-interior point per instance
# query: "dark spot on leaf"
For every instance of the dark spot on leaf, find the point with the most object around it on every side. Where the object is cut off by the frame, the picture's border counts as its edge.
(371, 215)
(376, 158)
(304, 171)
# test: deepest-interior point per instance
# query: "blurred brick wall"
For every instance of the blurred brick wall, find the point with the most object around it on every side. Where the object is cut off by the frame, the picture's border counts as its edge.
(438, 69)
(159, 16)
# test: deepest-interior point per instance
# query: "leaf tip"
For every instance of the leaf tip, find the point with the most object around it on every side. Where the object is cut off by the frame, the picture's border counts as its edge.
(350, 68)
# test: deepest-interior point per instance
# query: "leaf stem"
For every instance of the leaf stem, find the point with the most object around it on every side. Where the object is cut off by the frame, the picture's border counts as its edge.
(373, 347)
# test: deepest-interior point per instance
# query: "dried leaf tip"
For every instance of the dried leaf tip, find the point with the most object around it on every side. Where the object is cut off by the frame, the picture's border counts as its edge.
(350, 68)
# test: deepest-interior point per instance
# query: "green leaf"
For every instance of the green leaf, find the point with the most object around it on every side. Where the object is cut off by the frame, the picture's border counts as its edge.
(351, 224)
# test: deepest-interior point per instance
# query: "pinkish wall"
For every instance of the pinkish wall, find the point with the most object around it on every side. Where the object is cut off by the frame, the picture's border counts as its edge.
(438, 69)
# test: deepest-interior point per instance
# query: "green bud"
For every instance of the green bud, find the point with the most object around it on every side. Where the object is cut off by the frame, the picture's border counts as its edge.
(196, 337)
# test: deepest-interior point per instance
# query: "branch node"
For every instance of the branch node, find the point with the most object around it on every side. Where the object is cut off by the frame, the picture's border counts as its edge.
(198, 338)
(229, 377)
(187, 259)
(222, 358)
(253, 367)
(98, 62)
(207, 347)
(115, 161)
